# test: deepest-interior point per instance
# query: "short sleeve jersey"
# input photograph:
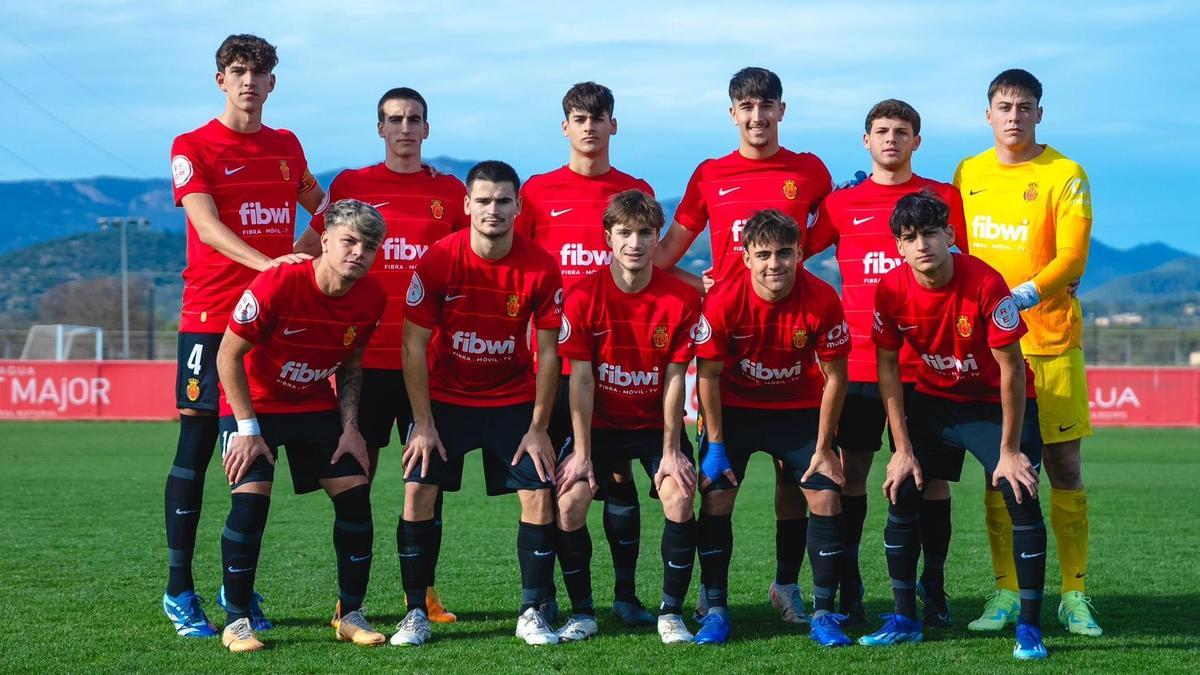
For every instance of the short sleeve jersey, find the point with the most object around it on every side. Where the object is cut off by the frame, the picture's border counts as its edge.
(770, 349)
(953, 328)
(858, 221)
(724, 192)
(630, 339)
(254, 180)
(419, 208)
(301, 336)
(563, 212)
(1019, 216)
(480, 311)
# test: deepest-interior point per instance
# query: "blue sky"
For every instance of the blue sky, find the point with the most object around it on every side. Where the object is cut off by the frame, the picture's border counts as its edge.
(102, 88)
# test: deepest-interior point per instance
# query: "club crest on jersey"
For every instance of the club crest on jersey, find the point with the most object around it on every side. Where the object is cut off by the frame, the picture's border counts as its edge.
(513, 306)
(660, 337)
(348, 338)
(799, 338)
(193, 389)
(963, 326)
(247, 308)
(789, 189)
(1031, 193)
(284, 170)
(436, 209)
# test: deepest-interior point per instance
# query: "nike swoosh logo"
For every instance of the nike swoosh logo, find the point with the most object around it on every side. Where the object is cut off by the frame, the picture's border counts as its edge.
(1062, 428)
(181, 512)
(893, 546)
(360, 558)
(407, 555)
(542, 554)
(628, 542)
(1080, 576)
(291, 331)
(724, 191)
(826, 554)
(975, 192)
(672, 565)
(454, 297)
(598, 333)
(1035, 466)
(860, 221)
(904, 328)
(230, 172)
(743, 337)
(235, 570)
(554, 213)
(380, 205)
(1026, 556)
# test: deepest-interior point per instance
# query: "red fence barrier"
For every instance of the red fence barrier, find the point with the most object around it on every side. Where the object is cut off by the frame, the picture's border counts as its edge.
(144, 390)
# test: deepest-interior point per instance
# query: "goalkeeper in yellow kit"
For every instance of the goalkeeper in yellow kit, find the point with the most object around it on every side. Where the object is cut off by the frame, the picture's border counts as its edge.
(1029, 215)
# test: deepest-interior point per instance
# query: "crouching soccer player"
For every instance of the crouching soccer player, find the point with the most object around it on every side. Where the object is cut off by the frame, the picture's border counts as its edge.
(628, 333)
(294, 327)
(974, 393)
(470, 303)
(772, 346)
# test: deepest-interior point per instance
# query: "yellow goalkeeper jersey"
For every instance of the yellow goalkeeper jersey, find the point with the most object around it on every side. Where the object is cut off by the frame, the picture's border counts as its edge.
(1032, 221)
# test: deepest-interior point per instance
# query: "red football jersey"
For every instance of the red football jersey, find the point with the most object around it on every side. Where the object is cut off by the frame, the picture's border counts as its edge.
(857, 220)
(770, 349)
(725, 192)
(563, 212)
(419, 208)
(952, 329)
(254, 180)
(301, 336)
(629, 338)
(480, 311)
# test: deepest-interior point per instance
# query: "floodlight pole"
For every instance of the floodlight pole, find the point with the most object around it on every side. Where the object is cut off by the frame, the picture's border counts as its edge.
(122, 224)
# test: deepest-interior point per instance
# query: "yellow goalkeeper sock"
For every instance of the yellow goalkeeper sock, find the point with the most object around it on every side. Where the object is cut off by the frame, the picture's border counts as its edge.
(1068, 517)
(1000, 537)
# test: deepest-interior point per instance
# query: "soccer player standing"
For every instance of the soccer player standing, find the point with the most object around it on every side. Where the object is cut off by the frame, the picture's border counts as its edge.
(723, 193)
(294, 327)
(1029, 210)
(974, 393)
(627, 331)
(470, 304)
(772, 346)
(856, 220)
(562, 211)
(420, 207)
(238, 182)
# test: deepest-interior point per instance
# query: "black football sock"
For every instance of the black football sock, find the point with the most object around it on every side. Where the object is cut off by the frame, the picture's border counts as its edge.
(575, 558)
(436, 548)
(184, 496)
(535, 553)
(623, 529)
(791, 538)
(1029, 551)
(353, 536)
(825, 555)
(902, 544)
(414, 546)
(854, 515)
(714, 546)
(935, 544)
(241, 541)
(678, 556)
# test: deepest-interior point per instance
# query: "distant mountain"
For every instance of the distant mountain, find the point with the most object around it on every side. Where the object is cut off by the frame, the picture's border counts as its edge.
(1178, 279)
(1106, 263)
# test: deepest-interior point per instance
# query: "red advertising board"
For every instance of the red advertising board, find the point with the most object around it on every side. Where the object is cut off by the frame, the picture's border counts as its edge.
(144, 390)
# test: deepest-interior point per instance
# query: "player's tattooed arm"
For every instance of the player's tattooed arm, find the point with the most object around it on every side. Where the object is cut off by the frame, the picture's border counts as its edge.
(244, 447)
(1013, 466)
(578, 466)
(903, 463)
(349, 386)
(825, 461)
(424, 437)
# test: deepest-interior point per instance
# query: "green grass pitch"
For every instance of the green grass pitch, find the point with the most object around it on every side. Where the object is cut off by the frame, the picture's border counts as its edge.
(83, 569)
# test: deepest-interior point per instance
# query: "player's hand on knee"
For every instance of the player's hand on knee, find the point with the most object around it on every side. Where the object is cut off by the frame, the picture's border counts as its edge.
(716, 464)
(577, 468)
(902, 465)
(536, 444)
(1016, 468)
(421, 443)
(240, 453)
(826, 463)
(352, 443)
(679, 469)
